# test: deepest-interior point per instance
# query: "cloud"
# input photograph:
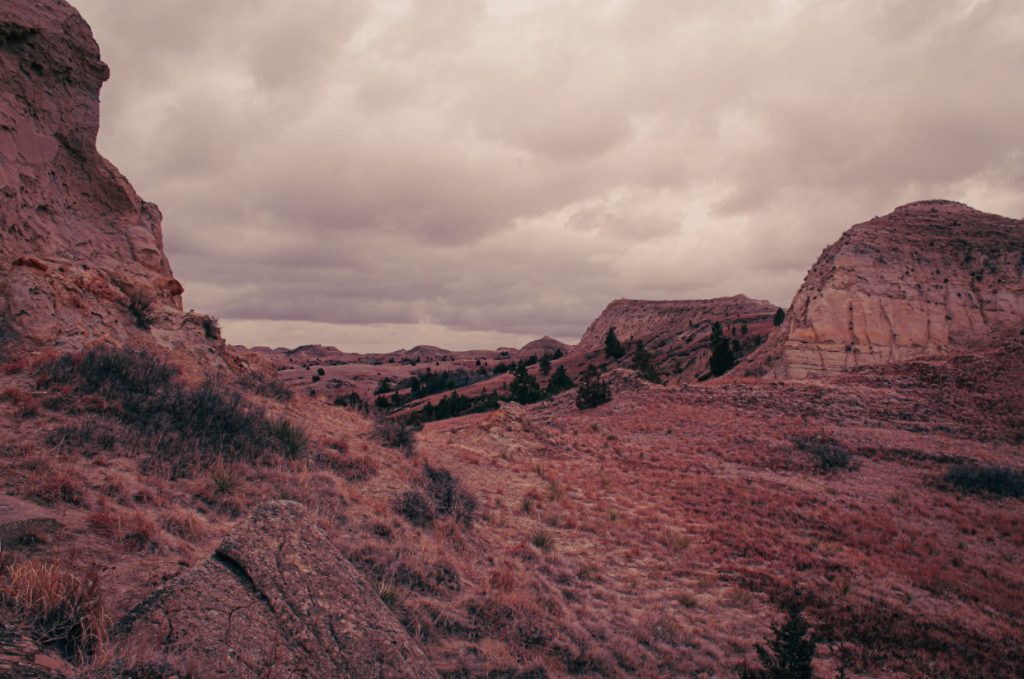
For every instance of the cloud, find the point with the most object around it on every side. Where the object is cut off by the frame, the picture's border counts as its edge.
(500, 169)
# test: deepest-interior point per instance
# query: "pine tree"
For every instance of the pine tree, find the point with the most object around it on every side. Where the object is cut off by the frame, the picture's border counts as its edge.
(593, 390)
(559, 382)
(789, 653)
(612, 346)
(722, 359)
(524, 388)
(642, 363)
(780, 316)
(545, 365)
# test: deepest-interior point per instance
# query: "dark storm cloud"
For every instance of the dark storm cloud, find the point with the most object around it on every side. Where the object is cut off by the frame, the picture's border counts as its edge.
(465, 171)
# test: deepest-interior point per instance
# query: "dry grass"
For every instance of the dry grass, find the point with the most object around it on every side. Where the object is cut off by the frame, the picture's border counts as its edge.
(63, 607)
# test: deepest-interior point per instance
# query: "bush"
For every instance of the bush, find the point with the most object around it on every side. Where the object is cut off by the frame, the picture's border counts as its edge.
(211, 327)
(449, 495)
(559, 381)
(261, 384)
(416, 507)
(780, 316)
(1001, 481)
(524, 388)
(593, 391)
(829, 453)
(182, 425)
(612, 346)
(395, 434)
(63, 608)
(140, 305)
(293, 438)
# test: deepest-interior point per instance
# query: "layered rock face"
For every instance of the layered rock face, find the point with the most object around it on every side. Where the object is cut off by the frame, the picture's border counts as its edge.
(81, 255)
(277, 600)
(678, 333)
(932, 277)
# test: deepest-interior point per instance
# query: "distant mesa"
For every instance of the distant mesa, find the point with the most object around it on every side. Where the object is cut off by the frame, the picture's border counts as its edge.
(932, 277)
(545, 344)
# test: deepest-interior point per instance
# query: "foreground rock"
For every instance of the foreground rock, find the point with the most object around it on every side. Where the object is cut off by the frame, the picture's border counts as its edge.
(22, 521)
(932, 277)
(277, 599)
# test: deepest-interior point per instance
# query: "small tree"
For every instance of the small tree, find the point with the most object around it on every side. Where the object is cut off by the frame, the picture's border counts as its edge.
(593, 390)
(524, 388)
(612, 346)
(722, 359)
(545, 365)
(789, 652)
(559, 382)
(642, 363)
(780, 316)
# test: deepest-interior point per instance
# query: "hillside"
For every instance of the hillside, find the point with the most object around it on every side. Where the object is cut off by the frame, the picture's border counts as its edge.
(172, 506)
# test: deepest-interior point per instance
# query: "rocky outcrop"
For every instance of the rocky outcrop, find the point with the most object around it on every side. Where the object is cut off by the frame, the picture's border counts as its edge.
(678, 333)
(932, 277)
(22, 521)
(81, 255)
(277, 599)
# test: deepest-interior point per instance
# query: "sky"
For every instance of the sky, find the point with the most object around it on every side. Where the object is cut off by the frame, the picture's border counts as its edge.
(473, 173)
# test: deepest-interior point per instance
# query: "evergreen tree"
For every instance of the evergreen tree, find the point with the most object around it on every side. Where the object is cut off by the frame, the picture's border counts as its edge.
(642, 363)
(524, 388)
(780, 316)
(789, 653)
(612, 346)
(722, 359)
(593, 390)
(559, 382)
(545, 365)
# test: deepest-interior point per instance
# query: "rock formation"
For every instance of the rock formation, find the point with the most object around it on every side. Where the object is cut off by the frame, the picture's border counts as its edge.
(277, 600)
(678, 333)
(932, 277)
(81, 255)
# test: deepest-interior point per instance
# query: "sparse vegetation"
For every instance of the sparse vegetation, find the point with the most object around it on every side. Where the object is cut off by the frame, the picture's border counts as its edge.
(780, 317)
(179, 424)
(63, 607)
(642, 363)
(542, 540)
(593, 390)
(293, 438)
(450, 496)
(722, 357)
(829, 454)
(140, 306)
(395, 433)
(265, 385)
(211, 326)
(986, 480)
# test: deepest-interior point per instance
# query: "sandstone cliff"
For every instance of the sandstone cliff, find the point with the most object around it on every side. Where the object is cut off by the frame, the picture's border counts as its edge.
(81, 255)
(678, 333)
(932, 277)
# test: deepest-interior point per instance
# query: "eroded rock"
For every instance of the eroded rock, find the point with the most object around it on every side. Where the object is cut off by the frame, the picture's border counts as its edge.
(277, 599)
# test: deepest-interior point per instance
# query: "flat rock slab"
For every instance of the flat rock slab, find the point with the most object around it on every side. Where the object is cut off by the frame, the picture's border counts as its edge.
(21, 520)
(277, 599)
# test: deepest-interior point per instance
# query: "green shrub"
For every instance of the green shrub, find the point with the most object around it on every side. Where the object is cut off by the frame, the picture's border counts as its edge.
(593, 391)
(990, 480)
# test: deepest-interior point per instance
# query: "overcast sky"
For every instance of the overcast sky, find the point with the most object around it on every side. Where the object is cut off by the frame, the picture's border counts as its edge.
(467, 173)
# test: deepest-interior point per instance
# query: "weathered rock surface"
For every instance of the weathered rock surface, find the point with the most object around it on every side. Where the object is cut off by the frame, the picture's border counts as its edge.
(277, 600)
(77, 244)
(932, 277)
(21, 657)
(678, 333)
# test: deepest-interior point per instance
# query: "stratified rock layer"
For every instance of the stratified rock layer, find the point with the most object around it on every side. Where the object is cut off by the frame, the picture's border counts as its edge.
(678, 333)
(277, 600)
(932, 277)
(77, 244)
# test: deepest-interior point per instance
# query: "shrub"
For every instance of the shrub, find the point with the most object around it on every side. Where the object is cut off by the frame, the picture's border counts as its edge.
(780, 316)
(63, 608)
(211, 327)
(829, 453)
(53, 485)
(449, 495)
(593, 391)
(184, 524)
(24, 403)
(524, 388)
(293, 438)
(264, 385)
(642, 363)
(183, 425)
(722, 358)
(542, 540)
(789, 653)
(140, 305)
(416, 507)
(225, 478)
(559, 381)
(395, 433)
(991, 480)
